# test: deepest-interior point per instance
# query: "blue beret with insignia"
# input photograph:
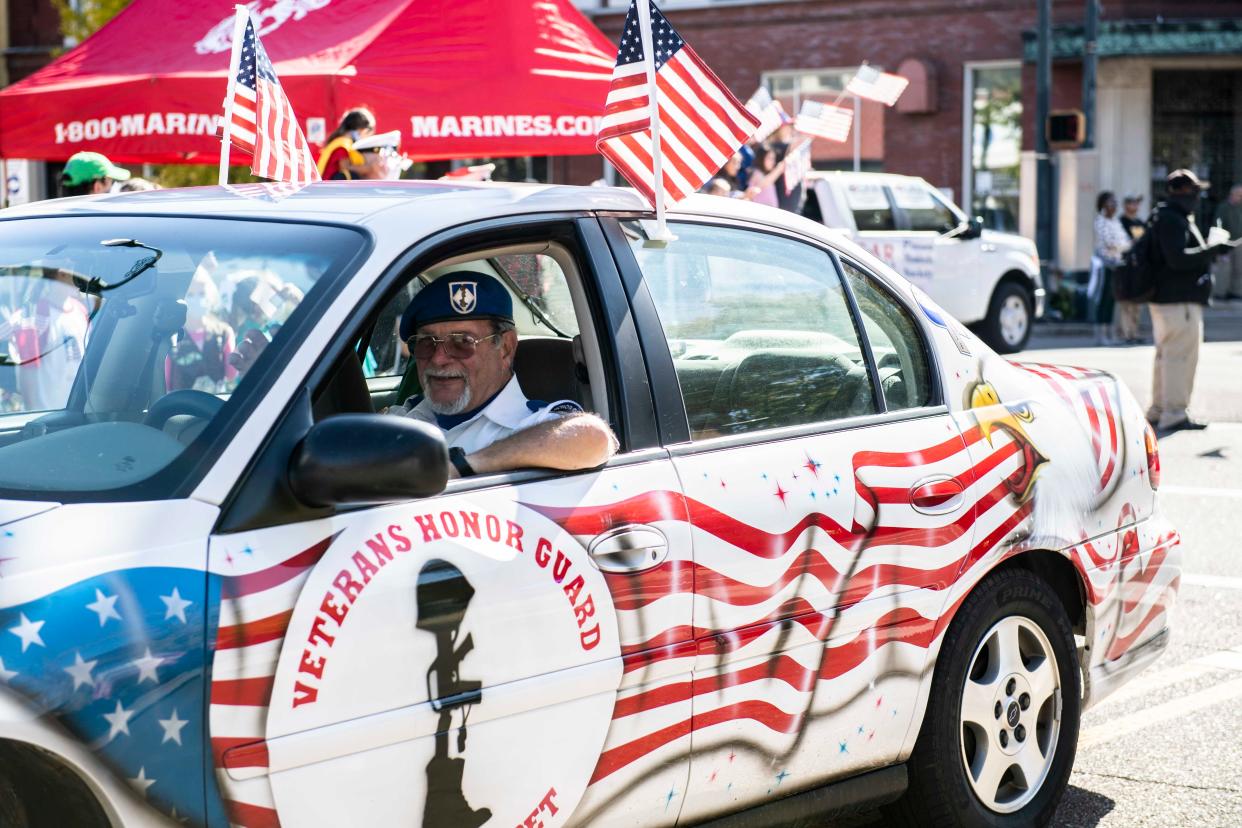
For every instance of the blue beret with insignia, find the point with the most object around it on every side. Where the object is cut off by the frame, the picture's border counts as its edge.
(459, 295)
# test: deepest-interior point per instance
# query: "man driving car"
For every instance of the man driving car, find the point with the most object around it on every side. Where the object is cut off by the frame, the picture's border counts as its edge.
(461, 335)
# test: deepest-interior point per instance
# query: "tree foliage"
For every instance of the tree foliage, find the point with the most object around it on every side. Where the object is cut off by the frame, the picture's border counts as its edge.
(82, 19)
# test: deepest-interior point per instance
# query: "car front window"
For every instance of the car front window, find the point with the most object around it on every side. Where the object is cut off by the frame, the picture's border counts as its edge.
(123, 339)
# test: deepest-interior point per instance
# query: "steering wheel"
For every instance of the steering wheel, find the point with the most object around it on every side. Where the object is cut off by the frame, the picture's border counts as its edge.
(183, 401)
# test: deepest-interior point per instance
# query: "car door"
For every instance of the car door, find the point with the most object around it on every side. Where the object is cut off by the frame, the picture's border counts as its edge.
(935, 257)
(827, 491)
(480, 657)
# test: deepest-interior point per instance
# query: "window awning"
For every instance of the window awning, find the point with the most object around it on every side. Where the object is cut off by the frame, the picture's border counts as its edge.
(1142, 38)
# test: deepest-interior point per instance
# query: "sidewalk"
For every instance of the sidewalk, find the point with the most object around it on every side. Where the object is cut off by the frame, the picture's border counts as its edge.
(1222, 322)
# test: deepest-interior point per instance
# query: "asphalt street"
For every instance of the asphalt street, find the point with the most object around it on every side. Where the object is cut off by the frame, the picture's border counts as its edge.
(1167, 748)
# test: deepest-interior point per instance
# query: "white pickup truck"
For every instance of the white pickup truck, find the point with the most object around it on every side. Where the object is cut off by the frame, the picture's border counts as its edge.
(988, 280)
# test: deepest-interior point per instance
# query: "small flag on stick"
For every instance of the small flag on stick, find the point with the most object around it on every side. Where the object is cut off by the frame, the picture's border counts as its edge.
(797, 165)
(258, 118)
(769, 112)
(824, 120)
(699, 123)
(869, 82)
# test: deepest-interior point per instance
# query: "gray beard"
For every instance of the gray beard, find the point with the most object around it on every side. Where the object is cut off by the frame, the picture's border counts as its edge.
(457, 406)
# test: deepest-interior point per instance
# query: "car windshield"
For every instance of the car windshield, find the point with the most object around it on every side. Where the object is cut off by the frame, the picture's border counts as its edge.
(124, 338)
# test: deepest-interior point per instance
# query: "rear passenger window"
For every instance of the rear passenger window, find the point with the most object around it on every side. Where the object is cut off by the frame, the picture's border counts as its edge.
(895, 342)
(759, 328)
(870, 206)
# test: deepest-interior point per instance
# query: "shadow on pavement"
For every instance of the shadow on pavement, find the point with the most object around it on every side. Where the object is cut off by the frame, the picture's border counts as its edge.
(1082, 808)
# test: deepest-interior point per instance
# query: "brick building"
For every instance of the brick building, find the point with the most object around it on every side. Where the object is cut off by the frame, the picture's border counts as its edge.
(1169, 87)
(29, 35)
(29, 32)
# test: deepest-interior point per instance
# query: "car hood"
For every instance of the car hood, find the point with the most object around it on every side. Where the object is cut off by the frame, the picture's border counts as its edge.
(1010, 240)
(15, 510)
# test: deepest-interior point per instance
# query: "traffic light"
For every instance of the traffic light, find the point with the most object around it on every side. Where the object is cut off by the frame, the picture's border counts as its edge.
(1066, 129)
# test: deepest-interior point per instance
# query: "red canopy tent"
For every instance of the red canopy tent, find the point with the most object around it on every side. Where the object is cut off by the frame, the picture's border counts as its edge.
(459, 78)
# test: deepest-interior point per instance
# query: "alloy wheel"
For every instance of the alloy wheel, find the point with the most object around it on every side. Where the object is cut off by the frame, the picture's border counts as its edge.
(1014, 320)
(1010, 714)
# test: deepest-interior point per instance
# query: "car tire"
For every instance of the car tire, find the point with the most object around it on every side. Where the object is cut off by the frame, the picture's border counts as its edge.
(1007, 327)
(1010, 638)
(12, 812)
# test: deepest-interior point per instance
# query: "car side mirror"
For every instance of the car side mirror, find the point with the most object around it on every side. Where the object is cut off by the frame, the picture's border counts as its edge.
(359, 459)
(972, 228)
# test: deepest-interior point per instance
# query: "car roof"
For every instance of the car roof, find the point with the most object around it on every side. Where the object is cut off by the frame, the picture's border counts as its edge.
(413, 208)
(873, 177)
(417, 206)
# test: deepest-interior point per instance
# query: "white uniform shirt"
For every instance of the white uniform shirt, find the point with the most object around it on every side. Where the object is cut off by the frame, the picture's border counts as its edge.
(509, 412)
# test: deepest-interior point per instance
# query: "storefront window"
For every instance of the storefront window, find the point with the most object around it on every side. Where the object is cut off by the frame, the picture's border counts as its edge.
(995, 117)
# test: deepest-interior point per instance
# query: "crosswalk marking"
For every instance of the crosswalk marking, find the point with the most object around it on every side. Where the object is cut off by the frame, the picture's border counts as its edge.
(1159, 714)
(1217, 581)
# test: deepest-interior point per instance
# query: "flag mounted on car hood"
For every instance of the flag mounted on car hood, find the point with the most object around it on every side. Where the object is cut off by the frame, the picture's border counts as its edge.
(701, 123)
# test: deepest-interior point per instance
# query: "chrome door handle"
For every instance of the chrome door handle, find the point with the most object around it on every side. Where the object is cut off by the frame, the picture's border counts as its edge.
(937, 495)
(633, 548)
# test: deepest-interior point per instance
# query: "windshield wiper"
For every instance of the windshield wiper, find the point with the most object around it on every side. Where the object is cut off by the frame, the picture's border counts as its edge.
(95, 286)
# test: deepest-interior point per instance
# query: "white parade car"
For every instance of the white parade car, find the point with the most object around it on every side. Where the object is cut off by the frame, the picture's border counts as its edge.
(986, 279)
(846, 554)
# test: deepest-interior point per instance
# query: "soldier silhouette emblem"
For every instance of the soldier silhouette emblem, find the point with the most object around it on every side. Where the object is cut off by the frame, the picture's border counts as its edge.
(443, 593)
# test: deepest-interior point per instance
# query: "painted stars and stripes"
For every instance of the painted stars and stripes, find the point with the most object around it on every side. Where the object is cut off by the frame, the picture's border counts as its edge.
(840, 595)
(824, 120)
(118, 661)
(869, 82)
(255, 610)
(1094, 398)
(701, 123)
(260, 119)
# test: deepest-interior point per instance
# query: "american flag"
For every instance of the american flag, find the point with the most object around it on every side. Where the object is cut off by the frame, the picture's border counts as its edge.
(825, 120)
(118, 661)
(769, 112)
(261, 120)
(701, 123)
(1094, 398)
(797, 165)
(867, 582)
(869, 82)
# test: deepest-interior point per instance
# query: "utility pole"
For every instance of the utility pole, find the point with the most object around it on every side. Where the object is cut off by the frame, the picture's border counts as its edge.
(1043, 163)
(1089, 64)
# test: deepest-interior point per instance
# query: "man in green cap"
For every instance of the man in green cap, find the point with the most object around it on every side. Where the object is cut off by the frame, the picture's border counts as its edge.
(88, 173)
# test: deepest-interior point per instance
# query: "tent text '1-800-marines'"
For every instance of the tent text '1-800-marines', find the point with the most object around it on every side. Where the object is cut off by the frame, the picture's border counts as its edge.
(460, 79)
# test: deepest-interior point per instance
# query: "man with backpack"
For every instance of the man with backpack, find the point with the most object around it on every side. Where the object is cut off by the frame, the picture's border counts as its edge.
(1180, 266)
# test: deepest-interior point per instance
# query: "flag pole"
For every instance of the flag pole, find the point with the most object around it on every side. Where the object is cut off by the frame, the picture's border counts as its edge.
(241, 13)
(644, 30)
(857, 125)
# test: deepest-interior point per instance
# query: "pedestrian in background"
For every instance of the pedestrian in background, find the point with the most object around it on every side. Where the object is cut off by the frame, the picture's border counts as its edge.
(89, 173)
(1229, 267)
(339, 160)
(761, 186)
(1111, 243)
(1182, 260)
(137, 185)
(1130, 314)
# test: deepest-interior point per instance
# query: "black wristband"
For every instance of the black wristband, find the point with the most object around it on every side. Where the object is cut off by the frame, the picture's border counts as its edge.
(457, 456)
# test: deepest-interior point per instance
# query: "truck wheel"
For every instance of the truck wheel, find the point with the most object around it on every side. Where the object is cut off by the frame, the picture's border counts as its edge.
(1001, 728)
(1007, 327)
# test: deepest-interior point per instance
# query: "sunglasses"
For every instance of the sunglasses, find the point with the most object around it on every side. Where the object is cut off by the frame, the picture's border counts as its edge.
(456, 345)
